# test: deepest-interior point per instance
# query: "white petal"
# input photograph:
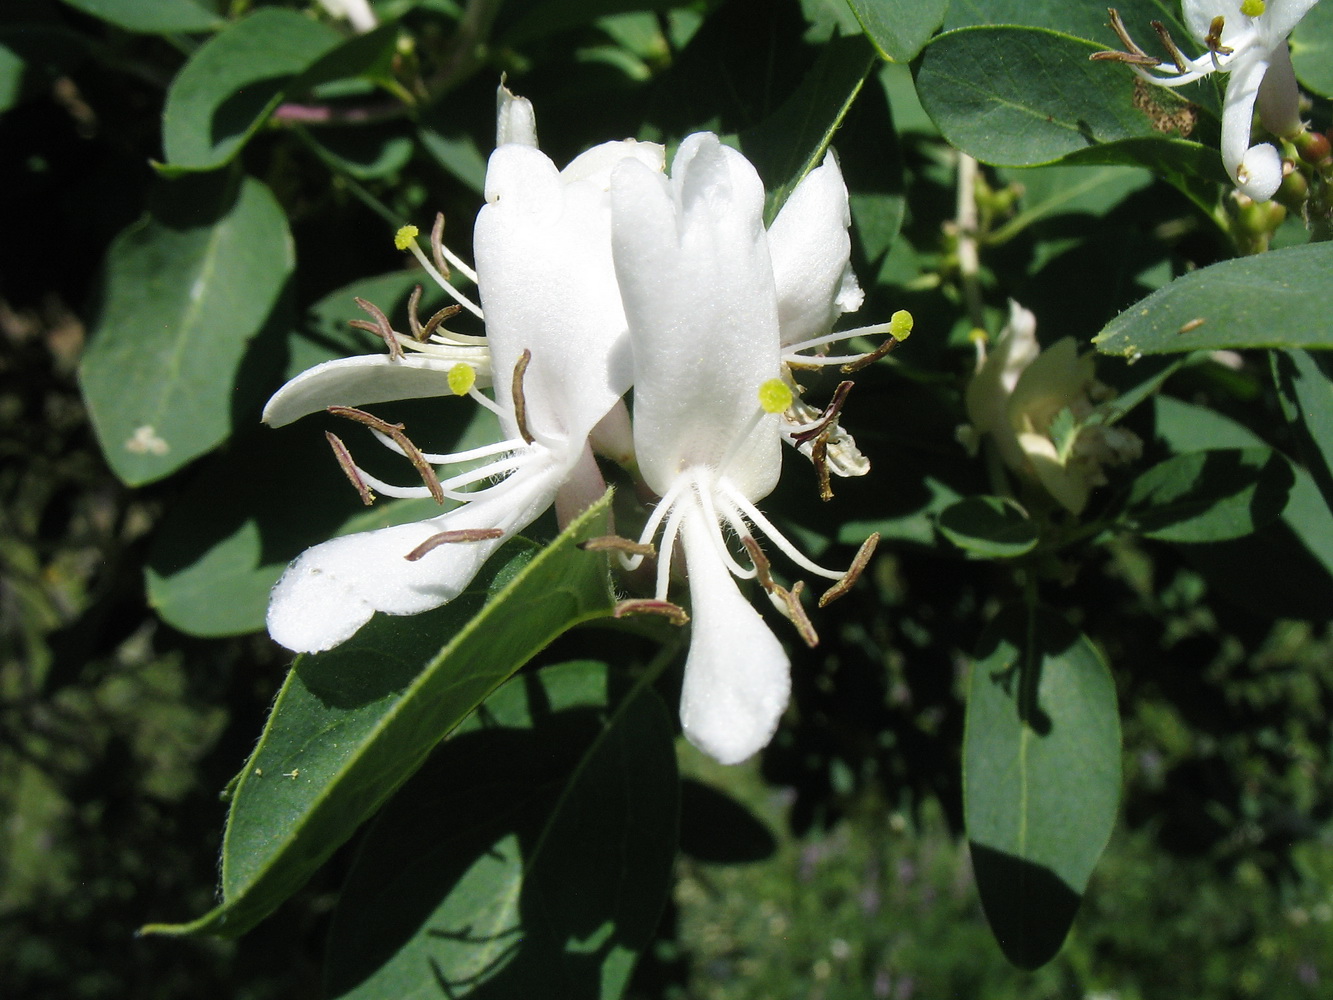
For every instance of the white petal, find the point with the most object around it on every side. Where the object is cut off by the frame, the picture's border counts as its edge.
(1281, 18)
(597, 164)
(811, 250)
(1279, 97)
(358, 381)
(737, 676)
(694, 269)
(515, 120)
(1260, 172)
(548, 286)
(1252, 177)
(332, 589)
(1199, 14)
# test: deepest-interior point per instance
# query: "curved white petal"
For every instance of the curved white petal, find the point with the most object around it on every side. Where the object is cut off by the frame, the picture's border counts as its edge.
(548, 286)
(596, 165)
(1279, 97)
(988, 392)
(515, 120)
(811, 253)
(358, 381)
(332, 589)
(1199, 14)
(737, 676)
(1253, 172)
(692, 259)
(1281, 17)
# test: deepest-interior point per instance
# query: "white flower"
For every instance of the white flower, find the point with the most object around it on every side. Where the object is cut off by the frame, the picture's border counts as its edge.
(1018, 393)
(1248, 40)
(559, 360)
(696, 273)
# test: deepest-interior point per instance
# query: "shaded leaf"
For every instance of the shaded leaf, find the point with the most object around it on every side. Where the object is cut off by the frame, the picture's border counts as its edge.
(530, 857)
(1210, 496)
(1273, 299)
(351, 725)
(186, 290)
(1312, 50)
(1041, 771)
(1305, 383)
(154, 16)
(989, 527)
(899, 28)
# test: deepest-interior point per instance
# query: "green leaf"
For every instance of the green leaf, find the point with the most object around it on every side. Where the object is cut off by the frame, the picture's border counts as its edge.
(351, 725)
(1041, 777)
(154, 16)
(978, 86)
(1210, 496)
(186, 290)
(540, 18)
(989, 527)
(1312, 50)
(899, 28)
(530, 857)
(792, 141)
(1305, 385)
(1273, 299)
(234, 81)
(1080, 19)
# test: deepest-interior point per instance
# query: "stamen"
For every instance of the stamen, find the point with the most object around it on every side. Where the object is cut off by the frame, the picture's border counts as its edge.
(451, 537)
(900, 328)
(1177, 57)
(734, 521)
(753, 515)
(615, 543)
(489, 403)
(664, 507)
(789, 603)
(826, 419)
(452, 257)
(761, 563)
(1134, 55)
(819, 458)
(854, 571)
(395, 432)
(1213, 40)
(432, 324)
(437, 245)
(406, 240)
(349, 467)
(673, 613)
(667, 550)
(380, 327)
(520, 404)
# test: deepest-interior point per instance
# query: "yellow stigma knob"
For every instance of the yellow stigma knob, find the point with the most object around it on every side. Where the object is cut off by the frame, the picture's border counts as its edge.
(1253, 8)
(977, 335)
(774, 396)
(900, 324)
(462, 377)
(405, 237)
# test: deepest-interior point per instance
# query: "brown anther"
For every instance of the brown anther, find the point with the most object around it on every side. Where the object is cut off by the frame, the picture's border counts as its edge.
(829, 416)
(434, 322)
(819, 457)
(1169, 43)
(395, 433)
(795, 612)
(1134, 56)
(614, 543)
(760, 561)
(349, 468)
(673, 613)
(380, 327)
(1213, 40)
(453, 537)
(437, 245)
(413, 321)
(854, 571)
(872, 357)
(520, 404)
(805, 366)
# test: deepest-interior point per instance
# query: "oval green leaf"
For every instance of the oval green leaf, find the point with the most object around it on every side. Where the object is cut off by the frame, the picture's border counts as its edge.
(234, 81)
(1041, 777)
(186, 290)
(530, 857)
(1305, 384)
(351, 725)
(154, 16)
(1209, 496)
(1274, 299)
(1312, 50)
(989, 527)
(899, 28)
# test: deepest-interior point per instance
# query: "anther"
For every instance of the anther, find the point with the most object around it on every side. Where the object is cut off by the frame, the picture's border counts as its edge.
(1134, 55)
(819, 456)
(673, 613)
(760, 561)
(380, 327)
(349, 468)
(854, 571)
(520, 404)
(830, 415)
(413, 321)
(615, 543)
(869, 359)
(437, 245)
(395, 433)
(434, 322)
(453, 537)
(794, 612)
(1213, 40)
(1177, 57)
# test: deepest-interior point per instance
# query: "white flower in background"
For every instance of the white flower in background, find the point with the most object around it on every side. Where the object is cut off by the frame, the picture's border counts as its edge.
(357, 13)
(1038, 408)
(559, 361)
(697, 277)
(1248, 40)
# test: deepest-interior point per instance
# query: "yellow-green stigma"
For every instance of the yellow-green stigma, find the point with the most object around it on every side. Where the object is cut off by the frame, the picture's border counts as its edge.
(404, 238)
(774, 396)
(462, 377)
(1253, 8)
(900, 324)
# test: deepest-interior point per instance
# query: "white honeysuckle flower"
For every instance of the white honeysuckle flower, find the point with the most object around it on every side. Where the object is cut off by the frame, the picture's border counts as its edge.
(1248, 40)
(560, 361)
(697, 276)
(1016, 396)
(357, 13)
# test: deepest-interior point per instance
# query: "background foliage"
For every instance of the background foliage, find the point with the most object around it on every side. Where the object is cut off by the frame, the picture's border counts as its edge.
(196, 191)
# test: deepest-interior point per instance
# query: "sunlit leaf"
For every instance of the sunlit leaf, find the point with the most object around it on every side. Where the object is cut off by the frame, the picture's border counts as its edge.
(1209, 496)
(899, 28)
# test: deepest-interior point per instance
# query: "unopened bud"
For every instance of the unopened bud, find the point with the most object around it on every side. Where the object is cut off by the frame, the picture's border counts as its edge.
(1313, 147)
